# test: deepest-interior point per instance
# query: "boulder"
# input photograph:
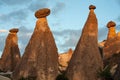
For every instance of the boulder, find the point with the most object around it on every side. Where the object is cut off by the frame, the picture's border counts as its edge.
(42, 13)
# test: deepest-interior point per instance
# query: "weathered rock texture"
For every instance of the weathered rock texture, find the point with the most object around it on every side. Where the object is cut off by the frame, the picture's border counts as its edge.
(86, 60)
(64, 58)
(112, 44)
(111, 26)
(11, 53)
(111, 50)
(40, 59)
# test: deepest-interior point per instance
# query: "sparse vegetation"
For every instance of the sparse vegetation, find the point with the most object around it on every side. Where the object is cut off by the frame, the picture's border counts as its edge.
(105, 74)
(62, 76)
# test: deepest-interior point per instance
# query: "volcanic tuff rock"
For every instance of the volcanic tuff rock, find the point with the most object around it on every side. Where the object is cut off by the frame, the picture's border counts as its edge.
(42, 13)
(11, 53)
(40, 59)
(86, 60)
(64, 59)
(112, 44)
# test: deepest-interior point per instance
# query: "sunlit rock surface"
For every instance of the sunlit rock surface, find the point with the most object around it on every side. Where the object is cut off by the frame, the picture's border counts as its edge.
(64, 59)
(11, 54)
(40, 59)
(86, 60)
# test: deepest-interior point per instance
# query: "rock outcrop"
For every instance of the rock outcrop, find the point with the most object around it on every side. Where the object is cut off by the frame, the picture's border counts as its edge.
(112, 44)
(86, 60)
(64, 59)
(11, 54)
(40, 59)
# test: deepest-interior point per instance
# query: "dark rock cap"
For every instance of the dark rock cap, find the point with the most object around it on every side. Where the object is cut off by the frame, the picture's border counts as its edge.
(42, 13)
(111, 24)
(14, 30)
(92, 7)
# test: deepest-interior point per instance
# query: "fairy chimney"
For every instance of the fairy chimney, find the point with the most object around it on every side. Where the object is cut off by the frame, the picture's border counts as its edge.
(40, 59)
(111, 30)
(11, 53)
(112, 44)
(86, 60)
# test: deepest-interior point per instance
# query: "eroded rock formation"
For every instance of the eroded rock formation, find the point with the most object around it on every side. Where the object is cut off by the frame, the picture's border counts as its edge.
(11, 54)
(64, 59)
(111, 51)
(112, 44)
(40, 59)
(86, 60)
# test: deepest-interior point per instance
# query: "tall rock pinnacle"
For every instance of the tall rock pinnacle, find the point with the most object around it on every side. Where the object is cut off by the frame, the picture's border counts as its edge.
(11, 53)
(112, 44)
(40, 59)
(86, 60)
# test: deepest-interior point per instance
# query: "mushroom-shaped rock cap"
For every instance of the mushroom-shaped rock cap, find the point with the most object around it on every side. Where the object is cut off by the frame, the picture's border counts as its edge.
(111, 24)
(42, 13)
(14, 30)
(92, 7)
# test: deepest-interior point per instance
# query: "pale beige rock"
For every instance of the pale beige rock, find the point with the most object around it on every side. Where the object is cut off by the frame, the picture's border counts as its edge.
(64, 59)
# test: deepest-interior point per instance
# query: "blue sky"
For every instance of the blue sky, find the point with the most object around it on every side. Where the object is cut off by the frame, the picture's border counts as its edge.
(66, 20)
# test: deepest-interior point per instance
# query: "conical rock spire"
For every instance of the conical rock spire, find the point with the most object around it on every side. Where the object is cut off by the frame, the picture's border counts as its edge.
(11, 53)
(40, 59)
(86, 60)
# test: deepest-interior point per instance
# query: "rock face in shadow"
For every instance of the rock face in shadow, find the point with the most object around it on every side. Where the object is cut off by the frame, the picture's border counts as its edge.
(64, 59)
(86, 60)
(112, 44)
(11, 54)
(116, 75)
(40, 59)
